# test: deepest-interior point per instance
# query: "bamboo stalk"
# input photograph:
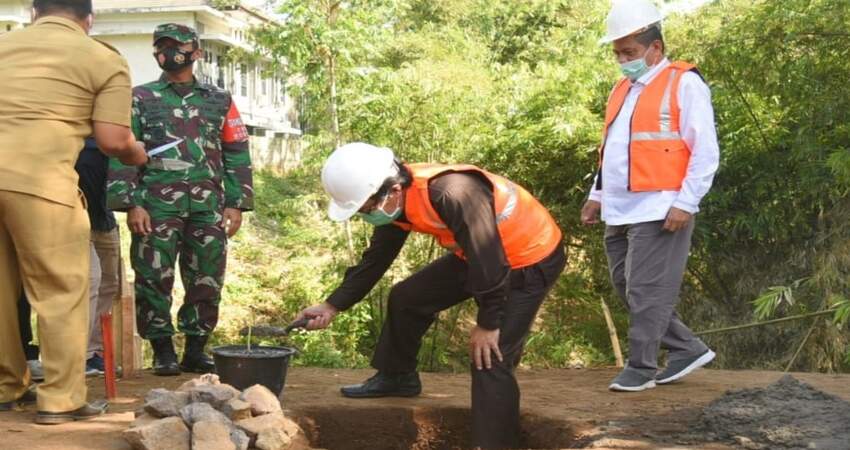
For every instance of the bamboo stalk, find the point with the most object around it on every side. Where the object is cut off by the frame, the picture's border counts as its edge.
(612, 333)
(802, 344)
(767, 322)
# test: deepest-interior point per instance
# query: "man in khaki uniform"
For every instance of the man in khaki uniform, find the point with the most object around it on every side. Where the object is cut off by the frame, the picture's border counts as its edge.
(59, 86)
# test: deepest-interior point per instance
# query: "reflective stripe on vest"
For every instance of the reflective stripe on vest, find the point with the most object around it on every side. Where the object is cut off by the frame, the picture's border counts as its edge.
(658, 156)
(528, 232)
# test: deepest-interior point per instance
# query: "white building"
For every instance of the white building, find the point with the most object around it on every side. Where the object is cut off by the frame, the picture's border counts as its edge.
(260, 94)
(14, 14)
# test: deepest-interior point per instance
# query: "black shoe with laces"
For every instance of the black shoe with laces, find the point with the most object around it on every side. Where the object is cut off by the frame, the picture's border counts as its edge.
(384, 384)
(164, 358)
(194, 358)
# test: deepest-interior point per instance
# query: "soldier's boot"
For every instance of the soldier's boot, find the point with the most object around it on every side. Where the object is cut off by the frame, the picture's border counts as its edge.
(164, 358)
(194, 358)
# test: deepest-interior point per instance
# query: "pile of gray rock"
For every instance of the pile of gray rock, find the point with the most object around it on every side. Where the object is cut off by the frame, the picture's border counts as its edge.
(204, 414)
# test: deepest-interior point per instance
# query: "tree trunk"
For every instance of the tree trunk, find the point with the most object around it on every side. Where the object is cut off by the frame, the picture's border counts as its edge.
(338, 141)
(333, 106)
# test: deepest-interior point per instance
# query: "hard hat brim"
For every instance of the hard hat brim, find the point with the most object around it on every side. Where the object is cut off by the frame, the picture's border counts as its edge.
(338, 213)
(609, 39)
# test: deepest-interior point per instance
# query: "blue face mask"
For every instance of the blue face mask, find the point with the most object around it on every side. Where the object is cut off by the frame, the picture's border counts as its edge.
(633, 70)
(378, 217)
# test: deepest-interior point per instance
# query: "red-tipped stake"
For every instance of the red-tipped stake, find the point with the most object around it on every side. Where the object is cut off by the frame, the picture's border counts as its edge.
(108, 356)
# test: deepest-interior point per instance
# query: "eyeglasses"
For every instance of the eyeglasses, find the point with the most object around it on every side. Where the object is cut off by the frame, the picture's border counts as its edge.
(373, 204)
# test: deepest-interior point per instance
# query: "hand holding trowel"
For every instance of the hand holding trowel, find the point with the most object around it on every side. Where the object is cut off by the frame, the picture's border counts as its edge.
(273, 331)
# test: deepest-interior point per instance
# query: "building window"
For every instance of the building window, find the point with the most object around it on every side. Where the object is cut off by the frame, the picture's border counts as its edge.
(220, 80)
(254, 82)
(275, 94)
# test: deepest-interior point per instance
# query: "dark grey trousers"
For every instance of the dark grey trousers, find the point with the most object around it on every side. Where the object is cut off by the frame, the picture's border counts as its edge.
(415, 302)
(647, 264)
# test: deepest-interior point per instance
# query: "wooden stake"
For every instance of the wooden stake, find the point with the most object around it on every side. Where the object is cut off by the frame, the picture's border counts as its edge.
(612, 333)
(130, 345)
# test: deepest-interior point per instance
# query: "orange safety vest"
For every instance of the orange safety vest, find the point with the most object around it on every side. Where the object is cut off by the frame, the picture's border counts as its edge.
(529, 233)
(658, 156)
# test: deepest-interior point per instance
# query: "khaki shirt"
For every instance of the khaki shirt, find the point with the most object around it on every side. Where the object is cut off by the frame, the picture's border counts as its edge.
(55, 80)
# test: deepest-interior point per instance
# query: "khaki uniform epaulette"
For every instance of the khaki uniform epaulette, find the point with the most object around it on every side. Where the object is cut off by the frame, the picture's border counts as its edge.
(107, 46)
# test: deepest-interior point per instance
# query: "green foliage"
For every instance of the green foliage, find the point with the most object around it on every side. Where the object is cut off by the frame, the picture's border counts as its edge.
(842, 310)
(284, 260)
(225, 4)
(776, 211)
(775, 297)
(519, 88)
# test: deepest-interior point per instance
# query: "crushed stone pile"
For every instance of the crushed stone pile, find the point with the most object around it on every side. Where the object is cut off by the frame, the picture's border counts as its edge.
(205, 414)
(788, 414)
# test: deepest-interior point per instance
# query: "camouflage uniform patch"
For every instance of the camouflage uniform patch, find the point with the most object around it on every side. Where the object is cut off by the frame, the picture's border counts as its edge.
(185, 190)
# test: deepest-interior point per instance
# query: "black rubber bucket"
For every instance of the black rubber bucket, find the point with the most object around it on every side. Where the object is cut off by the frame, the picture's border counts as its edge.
(265, 365)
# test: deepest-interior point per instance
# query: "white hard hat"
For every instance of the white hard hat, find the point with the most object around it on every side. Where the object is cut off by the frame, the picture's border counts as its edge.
(353, 173)
(628, 17)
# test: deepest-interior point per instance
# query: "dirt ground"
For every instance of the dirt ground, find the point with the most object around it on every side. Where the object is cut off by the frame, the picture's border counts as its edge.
(561, 409)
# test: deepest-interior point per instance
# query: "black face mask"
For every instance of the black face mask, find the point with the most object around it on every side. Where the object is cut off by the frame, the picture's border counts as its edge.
(172, 59)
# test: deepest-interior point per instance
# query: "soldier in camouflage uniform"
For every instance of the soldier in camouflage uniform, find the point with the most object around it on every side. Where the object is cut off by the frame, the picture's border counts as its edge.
(187, 201)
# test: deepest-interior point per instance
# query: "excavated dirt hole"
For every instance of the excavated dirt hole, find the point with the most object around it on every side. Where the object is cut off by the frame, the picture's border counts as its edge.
(417, 429)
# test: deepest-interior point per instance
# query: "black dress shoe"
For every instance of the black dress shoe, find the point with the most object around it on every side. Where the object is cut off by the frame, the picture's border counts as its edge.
(194, 358)
(28, 398)
(385, 385)
(88, 411)
(164, 358)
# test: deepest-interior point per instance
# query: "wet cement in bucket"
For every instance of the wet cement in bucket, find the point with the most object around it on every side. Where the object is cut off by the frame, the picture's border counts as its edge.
(788, 414)
(242, 367)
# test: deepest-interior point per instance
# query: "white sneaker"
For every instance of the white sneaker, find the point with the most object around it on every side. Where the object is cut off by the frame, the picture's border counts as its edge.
(631, 381)
(92, 371)
(679, 369)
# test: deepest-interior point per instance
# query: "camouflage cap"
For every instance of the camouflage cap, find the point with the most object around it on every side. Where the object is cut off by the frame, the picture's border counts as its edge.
(180, 33)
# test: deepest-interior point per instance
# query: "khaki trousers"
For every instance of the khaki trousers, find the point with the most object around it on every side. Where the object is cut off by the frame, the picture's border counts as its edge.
(45, 245)
(104, 283)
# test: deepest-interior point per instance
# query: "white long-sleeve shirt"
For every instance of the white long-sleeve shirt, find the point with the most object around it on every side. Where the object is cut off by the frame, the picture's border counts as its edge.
(696, 124)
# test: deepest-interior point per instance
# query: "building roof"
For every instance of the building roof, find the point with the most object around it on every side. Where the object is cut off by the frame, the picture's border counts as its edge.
(156, 5)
